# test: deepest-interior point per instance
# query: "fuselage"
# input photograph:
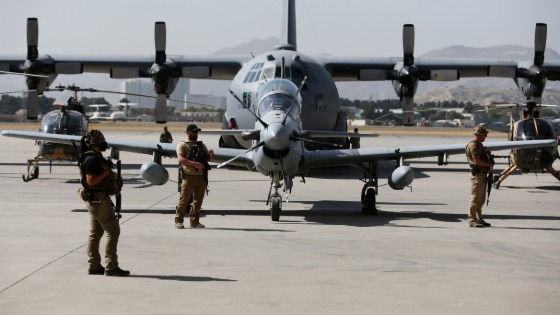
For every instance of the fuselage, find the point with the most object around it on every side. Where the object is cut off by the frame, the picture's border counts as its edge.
(67, 122)
(320, 103)
(533, 159)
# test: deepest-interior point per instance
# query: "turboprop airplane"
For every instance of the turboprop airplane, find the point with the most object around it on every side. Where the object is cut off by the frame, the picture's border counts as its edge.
(278, 149)
(280, 140)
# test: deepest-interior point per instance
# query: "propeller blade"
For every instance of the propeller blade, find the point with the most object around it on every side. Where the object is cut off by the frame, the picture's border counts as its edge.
(248, 108)
(32, 38)
(296, 138)
(32, 104)
(294, 100)
(540, 44)
(160, 37)
(540, 37)
(408, 111)
(161, 109)
(248, 150)
(24, 74)
(408, 44)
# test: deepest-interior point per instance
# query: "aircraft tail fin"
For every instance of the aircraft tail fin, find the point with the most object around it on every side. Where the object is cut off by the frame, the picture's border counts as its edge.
(289, 33)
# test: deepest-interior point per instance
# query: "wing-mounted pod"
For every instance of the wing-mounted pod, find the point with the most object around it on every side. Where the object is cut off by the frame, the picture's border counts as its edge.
(405, 76)
(531, 77)
(401, 177)
(41, 71)
(153, 172)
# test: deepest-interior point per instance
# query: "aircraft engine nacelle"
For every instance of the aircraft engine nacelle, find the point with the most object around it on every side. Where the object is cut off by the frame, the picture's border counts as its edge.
(401, 177)
(154, 173)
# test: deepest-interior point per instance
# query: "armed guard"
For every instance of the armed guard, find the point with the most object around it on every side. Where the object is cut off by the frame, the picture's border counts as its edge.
(193, 157)
(99, 183)
(481, 166)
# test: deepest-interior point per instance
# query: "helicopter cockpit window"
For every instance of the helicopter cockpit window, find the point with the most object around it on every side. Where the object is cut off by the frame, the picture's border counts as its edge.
(70, 123)
(279, 94)
(527, 130)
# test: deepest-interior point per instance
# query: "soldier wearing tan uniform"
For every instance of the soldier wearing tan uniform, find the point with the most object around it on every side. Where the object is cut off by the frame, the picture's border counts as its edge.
(480, 164)
(194, 157)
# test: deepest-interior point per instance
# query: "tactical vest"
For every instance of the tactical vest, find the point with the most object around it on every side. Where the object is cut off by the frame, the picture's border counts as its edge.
(195, 153)
(109, 184)
(483, 156)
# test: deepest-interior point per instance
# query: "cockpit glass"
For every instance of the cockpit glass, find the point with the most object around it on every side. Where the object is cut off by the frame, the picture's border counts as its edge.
(279, 94)
(534, 130)
(71, 123)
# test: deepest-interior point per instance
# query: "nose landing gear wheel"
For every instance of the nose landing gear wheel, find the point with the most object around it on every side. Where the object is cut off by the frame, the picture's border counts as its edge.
(275, 208)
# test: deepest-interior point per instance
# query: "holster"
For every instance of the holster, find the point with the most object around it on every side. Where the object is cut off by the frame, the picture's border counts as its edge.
(474, 170)
(85, 195)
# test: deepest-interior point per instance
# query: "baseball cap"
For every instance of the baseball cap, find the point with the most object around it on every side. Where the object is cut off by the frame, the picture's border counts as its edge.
(192, 127)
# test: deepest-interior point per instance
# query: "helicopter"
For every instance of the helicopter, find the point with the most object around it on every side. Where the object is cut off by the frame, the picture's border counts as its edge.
(530, 126)
(68, 120)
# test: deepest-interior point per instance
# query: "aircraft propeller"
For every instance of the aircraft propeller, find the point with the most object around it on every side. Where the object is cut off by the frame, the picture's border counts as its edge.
(40, 71)
(164, 73)
(405, 76)
(534, 76)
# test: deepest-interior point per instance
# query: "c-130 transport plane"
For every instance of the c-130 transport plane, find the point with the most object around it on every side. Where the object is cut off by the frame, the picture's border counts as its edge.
(283, 117)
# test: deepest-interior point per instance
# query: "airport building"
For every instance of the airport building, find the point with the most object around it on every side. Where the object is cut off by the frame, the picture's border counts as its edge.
(182, 92)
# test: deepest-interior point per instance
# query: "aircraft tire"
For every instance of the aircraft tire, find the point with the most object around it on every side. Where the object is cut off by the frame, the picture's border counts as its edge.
(368, 202)
(275, 208)
(35, 171)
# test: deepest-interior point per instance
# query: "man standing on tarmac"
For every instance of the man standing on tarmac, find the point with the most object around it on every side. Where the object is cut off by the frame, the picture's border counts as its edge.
(481, 164)
(99, 183)
(193, 156)
(165, 136)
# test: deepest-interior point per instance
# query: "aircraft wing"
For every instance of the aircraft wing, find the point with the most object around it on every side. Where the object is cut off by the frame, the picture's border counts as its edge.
(325, 158)
(319, 158)
(375, 69)
(124, 67)
(305, 133)
(140, 147)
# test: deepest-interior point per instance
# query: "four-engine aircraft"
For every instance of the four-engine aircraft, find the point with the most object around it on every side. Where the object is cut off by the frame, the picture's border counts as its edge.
(281, 102)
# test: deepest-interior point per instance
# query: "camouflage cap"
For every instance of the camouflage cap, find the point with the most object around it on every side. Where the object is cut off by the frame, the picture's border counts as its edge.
(480, 130)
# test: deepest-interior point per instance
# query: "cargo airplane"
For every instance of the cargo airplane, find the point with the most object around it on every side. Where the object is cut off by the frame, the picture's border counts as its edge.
(283, 116)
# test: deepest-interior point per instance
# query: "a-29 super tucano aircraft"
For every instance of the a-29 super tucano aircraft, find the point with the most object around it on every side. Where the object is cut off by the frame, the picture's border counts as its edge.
(283, 115)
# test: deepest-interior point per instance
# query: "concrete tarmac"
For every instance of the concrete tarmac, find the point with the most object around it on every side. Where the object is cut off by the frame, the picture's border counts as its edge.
(418, 256)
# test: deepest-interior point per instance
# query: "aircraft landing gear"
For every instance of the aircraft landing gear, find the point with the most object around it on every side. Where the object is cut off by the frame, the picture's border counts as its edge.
(32, 170)
(369, 191)
(275, 200)
(275, 207)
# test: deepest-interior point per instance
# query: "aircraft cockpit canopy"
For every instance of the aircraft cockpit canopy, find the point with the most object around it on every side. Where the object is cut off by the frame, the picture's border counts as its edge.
(64, 122)
(533, 129)
(279, 94)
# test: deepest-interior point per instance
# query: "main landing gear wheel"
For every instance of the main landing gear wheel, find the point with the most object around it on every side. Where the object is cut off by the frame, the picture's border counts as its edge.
(368, 201)
(275, 207)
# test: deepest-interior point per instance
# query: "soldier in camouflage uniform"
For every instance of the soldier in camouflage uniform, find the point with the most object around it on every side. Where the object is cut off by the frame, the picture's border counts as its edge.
(193, 156)
(480, 163)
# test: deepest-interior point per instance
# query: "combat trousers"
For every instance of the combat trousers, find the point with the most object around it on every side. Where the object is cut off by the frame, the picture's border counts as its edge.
(190, 184)
(102, 219)
(478, 195)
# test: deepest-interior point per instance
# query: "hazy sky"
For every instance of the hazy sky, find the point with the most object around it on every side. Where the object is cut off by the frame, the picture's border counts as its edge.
(346, 28)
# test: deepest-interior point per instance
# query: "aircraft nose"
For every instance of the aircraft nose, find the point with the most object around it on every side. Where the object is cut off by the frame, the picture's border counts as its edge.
(276, 137)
